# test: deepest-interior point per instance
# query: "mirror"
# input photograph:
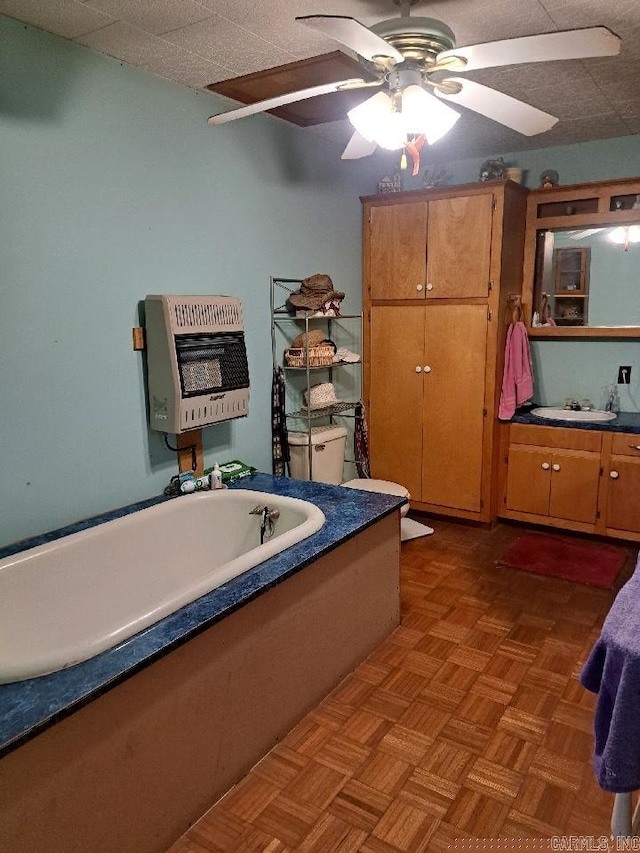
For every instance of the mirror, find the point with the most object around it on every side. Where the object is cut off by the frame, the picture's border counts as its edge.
(587, 276)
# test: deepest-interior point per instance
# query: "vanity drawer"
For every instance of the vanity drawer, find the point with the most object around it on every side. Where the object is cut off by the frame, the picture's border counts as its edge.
(626, 444)
(570, 439)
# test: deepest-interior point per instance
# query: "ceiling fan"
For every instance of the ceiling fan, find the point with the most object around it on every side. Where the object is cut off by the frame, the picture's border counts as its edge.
(414, 59)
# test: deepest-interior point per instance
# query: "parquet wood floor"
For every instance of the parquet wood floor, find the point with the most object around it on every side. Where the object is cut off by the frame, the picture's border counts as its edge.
(468, 721)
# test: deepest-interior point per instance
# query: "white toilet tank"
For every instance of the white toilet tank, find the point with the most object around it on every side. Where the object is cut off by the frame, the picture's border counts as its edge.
(328, 446)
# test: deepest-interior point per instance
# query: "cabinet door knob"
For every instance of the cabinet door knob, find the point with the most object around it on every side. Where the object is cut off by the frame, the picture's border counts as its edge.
(555, 466)
(546, 466)
(614, 475)
(635, 446)
(418, 287)
(418, 368)
(427, 369)
(429, 286)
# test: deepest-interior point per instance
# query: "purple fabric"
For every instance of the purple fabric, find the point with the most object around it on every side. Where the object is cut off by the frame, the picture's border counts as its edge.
(613, 672)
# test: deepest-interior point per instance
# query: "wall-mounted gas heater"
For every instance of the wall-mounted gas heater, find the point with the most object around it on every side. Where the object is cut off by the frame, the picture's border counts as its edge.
(197, 371)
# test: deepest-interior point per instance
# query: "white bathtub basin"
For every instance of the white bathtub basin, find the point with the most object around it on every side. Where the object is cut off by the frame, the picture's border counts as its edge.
(70, 599)
(592, 416)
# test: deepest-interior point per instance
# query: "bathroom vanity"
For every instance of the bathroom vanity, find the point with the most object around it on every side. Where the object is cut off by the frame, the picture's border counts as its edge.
(583, 477)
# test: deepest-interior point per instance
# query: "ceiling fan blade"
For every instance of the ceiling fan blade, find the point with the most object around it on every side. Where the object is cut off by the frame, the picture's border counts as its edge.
(358, 147)
(352, 34)
(568, 44)
(495, 105)
(290, 98)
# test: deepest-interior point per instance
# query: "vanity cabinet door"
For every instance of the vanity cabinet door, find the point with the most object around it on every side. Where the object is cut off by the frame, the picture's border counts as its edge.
(623, 497)
(575, 478)
(529, 479)
(398, 251)
(557, 484)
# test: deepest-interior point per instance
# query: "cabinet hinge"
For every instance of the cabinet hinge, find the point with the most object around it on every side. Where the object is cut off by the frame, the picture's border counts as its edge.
(506, 460)
(601, 471)
(489, 315)
(481, 503)
(490, 285)
(597, 513)
(494, 203)
(484, 413)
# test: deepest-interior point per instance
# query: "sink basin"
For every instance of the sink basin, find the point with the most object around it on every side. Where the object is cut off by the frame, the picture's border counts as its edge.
(591, 416)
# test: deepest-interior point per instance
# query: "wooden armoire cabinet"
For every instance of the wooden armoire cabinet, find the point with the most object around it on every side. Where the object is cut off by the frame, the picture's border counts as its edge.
(438, 267)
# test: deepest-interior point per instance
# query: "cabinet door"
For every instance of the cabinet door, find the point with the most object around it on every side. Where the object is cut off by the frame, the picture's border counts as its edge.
(529, 479)
(623, 503)
(395, 395)
(397, 257)
(459, 247)
(574, 485)
(453, 419)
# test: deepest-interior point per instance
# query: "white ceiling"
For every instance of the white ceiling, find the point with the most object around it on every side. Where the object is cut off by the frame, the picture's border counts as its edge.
(196, 42)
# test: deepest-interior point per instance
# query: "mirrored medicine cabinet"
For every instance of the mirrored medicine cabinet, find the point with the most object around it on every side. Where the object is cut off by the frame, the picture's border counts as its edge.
(582, 261)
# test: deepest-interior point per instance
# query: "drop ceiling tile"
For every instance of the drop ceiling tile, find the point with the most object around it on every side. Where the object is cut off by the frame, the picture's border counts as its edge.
(567, 14)
(227, 44)
(569, 101)
(479, 22)
(585, 129)
(126, 43)
(152, 16)
(66, 18)
(186, 68)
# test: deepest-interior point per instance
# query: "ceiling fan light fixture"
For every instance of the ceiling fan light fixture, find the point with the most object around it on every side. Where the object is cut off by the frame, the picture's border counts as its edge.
(424, 114)
(377, 121)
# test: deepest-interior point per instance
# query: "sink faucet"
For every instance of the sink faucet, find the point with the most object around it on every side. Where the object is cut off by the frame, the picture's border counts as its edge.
(572, 405)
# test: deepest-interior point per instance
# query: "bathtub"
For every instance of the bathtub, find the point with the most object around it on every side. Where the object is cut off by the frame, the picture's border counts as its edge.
(65, 601)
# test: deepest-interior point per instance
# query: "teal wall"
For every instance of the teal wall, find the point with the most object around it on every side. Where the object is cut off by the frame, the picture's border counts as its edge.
(113, 186)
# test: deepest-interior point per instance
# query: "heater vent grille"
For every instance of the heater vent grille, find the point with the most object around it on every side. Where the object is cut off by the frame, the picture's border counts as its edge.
(195, 315)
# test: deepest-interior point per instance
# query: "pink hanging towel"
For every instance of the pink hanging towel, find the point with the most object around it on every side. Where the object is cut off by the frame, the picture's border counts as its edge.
(517, 380)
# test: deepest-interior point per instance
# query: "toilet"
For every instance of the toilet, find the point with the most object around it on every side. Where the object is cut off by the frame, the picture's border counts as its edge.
(384, 486)
(328, 447)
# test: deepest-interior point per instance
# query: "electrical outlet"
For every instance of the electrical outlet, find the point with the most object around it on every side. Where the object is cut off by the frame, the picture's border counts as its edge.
(624, 375)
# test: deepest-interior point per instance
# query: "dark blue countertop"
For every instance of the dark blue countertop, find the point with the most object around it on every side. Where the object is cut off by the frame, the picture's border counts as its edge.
(28, 707)
(624, 422)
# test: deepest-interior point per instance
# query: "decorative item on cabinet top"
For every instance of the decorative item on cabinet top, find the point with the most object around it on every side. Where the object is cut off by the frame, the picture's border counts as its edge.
(390, 184)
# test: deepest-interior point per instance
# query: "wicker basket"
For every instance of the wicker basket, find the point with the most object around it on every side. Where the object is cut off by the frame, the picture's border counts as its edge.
(318, 356)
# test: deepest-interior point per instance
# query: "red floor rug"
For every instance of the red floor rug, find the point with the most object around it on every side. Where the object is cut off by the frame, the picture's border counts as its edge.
(561, 557)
